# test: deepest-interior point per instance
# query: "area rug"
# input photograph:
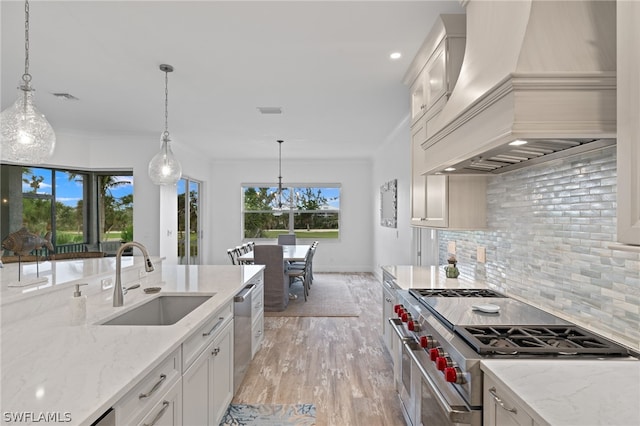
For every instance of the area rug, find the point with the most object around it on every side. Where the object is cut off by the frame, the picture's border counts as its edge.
(270, 415)
(329, 297)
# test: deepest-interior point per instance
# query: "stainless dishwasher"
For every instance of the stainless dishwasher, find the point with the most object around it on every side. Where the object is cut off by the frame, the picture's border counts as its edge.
(241, 335)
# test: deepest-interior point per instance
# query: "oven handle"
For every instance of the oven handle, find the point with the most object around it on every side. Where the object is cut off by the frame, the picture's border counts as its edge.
(396, 325)
(456, 416)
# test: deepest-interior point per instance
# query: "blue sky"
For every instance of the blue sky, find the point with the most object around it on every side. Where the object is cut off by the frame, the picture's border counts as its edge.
(69, 192)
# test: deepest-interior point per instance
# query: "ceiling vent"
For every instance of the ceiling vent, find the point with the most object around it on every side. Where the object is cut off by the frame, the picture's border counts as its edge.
(270, 110)
(65, 96)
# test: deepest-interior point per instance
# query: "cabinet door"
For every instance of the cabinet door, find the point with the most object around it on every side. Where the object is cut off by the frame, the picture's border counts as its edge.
(195, 390)
(418, 213)
(437, 199)
(501, 408)
(418, 100)
(221, 374)
(388, 301)
(437, 75)
(168, 411)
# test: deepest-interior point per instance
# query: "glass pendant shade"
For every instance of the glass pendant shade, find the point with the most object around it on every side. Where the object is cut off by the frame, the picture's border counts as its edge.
(26, 135)
(164, 168)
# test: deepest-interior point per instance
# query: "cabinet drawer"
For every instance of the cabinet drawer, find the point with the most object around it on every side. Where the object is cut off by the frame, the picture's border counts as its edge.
(503, 407)
(257, 335)
(257, 301)
(196, 343)
(167, 411)
(148, 391)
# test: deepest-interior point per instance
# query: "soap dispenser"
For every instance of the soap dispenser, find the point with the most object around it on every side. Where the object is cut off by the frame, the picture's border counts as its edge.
(78, 307)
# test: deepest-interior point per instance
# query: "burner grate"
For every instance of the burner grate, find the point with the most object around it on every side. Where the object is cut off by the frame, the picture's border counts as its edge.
(541, 340)
(454, 292)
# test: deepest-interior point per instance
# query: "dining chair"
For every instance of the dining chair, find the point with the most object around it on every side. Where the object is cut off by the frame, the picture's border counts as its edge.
(301, 274)
(232, 256)
(287, 239)
(276, 282)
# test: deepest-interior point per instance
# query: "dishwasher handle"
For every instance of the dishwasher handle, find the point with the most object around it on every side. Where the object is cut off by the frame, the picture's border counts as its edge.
(244, 294)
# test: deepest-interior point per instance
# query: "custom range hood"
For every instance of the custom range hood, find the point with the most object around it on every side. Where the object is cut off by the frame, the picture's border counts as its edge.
(543, 72)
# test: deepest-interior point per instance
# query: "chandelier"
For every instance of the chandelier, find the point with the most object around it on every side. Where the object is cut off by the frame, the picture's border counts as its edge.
(25, 134)
(164, 167)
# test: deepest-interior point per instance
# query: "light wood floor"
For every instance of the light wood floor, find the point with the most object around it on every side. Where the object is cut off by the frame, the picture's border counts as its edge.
(337, 363)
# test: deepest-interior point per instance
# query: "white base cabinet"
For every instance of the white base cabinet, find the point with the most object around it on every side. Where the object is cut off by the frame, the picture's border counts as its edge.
(168, 411)
(207, 385)
(502, 408)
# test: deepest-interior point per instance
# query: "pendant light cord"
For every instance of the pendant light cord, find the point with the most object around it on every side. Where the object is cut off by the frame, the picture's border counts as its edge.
(166, 103)
(26, 77)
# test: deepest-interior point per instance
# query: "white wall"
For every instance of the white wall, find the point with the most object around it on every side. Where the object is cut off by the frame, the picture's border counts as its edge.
(133, 152)
(393, 246)
(353, 252)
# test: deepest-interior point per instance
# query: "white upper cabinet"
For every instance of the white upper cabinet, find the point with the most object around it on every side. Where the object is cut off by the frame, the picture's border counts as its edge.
(434, 71)
(628, 64)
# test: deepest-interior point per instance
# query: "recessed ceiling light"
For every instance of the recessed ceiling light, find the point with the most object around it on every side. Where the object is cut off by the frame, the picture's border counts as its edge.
(395, 55)
(270, 110)
(518, 142)
(449, 169)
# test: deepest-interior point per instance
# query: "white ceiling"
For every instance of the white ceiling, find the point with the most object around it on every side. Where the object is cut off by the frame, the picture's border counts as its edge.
(325, 63)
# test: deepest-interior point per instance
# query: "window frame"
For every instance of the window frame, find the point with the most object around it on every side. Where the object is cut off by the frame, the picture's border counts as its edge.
(291, 210)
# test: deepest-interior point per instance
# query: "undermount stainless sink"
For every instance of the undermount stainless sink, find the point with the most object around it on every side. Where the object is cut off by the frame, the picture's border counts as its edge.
(163, 310)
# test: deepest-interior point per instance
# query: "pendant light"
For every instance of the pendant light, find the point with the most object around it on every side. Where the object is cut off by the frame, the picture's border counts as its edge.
(26, 135)
(164, 167)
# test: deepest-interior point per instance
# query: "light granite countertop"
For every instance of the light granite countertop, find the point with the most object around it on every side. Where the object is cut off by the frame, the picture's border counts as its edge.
(573, 392)
(567, 392)
(50, 366)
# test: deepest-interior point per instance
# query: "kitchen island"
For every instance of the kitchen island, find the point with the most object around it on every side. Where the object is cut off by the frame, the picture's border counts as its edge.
(544, 390)
(76, 372)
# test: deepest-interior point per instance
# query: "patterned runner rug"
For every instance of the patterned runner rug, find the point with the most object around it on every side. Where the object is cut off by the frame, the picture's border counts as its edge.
(270, 415)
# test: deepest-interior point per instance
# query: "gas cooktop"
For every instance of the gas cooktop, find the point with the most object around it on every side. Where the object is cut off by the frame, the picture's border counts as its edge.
(454, 292)
(556, 340)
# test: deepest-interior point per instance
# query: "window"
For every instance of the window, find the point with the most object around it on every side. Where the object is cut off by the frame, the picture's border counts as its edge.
(188, 219)
(81, 209)
(311, 212)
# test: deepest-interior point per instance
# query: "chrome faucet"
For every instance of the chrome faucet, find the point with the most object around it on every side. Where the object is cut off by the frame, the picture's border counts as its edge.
(118, 292)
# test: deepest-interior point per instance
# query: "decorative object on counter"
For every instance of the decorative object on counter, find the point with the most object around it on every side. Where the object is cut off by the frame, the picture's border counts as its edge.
(164, 167)
(451, 269)
(270, 414)
(26, 135)
(78, 306)
(23, 242)
(152, 290)
(389, 204)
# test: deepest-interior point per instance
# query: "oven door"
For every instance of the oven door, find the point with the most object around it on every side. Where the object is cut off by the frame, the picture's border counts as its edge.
(403, 371)
(439, 403)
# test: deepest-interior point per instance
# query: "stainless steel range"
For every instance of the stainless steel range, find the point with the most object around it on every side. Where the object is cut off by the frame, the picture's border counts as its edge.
(445, 333)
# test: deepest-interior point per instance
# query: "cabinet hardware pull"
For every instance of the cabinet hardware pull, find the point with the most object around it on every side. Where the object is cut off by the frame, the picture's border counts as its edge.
(165, 405)
(220, 319)
(215, 352)
(495, 396)
(154, 388)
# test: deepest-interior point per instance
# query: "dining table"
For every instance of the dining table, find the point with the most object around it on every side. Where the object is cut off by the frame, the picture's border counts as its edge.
(290, 253)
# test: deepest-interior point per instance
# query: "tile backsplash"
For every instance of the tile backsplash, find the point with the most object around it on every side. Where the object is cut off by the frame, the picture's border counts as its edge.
(547, 242)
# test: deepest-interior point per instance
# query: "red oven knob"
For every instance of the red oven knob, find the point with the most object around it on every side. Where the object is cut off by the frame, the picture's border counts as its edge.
(453, 375)
(435, 353)
(426, 341)
(443, 362)
(413, 325)
(396, 308)
(400, 312)
(406, 317)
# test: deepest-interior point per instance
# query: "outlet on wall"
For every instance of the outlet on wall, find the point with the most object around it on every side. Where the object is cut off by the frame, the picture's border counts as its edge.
(451, 247)
(481, 254)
